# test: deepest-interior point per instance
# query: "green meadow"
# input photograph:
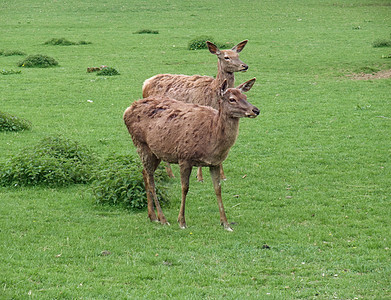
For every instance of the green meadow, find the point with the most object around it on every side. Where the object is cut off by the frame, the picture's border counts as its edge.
(308, 186)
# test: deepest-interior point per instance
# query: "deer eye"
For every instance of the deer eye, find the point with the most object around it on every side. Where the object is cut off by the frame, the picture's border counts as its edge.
(232, 100)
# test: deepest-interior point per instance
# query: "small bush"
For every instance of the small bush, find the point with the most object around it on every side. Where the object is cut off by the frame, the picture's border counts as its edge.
(54, 161)
(200, 43)
(119, 182)
(84, 43)
(11, 52)
(10, 122)
(381, 43)
(64, 42)
(146, 31)
(38, 61)
(107, 71)
(10, 72)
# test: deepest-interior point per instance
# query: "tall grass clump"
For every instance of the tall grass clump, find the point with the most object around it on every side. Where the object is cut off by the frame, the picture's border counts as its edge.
(38, 61)
(53, 161)
(119, 182)
(200, 43)
(10, 122)
(9, 72)
(11, 52)
(146, 31)
(64, 42)
(382, 43)
(107, 71)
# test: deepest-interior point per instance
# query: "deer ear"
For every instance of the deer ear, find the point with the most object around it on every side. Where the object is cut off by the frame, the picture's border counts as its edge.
(223, 87)
(239, 47)
(246, 86)
(213, 48)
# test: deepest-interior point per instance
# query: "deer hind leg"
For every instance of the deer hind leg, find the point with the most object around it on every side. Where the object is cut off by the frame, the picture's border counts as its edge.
(222, 175)
(150, 163)
(200, 178)
(215, 174)
(151, 209)
(185, 178)
(169, 171)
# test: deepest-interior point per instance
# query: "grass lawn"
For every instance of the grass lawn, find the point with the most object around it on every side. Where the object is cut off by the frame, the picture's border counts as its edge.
(308, 186)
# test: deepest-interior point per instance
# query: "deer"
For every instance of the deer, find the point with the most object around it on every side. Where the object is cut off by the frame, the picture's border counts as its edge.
(187, 134)
(198, 89)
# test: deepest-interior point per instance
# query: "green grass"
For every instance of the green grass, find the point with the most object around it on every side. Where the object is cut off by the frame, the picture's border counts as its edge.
(310, 177)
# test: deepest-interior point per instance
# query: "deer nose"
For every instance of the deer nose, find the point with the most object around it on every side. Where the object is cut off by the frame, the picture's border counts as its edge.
(256, 111)
(245, 67)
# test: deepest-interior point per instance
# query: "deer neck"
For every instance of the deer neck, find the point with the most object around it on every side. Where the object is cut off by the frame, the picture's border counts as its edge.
(223, 75)
(226, 131)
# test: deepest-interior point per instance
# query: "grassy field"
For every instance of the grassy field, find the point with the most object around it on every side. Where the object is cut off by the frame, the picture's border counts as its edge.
(308, 184)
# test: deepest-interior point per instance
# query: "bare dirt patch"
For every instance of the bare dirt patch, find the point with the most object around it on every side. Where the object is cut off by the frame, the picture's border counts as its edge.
(376, 75)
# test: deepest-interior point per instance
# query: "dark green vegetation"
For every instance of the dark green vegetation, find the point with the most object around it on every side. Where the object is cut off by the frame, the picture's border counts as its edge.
(107, 71)
(146, 31)
(11, 52)
(64, 42)
(119, 182)
(38, 61)
(308, 181)
(200, 43)
(10, 122)
(53, 161)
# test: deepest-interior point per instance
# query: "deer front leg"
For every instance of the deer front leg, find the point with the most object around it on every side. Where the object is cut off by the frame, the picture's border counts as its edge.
(215, 174)
(185, 178)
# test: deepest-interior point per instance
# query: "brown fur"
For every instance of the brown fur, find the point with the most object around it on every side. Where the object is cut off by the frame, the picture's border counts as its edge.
(187, 134)
(203, 90)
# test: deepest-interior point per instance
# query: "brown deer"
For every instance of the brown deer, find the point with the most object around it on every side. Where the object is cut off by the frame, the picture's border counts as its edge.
(189, 135)
(198, 89)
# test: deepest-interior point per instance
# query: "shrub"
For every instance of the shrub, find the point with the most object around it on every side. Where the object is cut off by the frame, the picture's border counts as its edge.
(10, 122)
(60, 41)
(11, 52)
(54, 161)
(10, 72)
(119, 182)
(38, 61)
(146, 31)
(64, 42)
(381, 43)
(107, 71)
(200, 43)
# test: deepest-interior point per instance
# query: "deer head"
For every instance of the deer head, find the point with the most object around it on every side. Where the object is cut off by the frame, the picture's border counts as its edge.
(235, 103)
(229, 59)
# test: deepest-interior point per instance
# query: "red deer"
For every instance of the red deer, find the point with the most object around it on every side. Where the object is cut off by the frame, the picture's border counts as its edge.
(198, 89)
(189, 135)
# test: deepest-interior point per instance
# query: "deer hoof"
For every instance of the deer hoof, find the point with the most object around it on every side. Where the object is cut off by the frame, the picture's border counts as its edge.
(227, 227)
(165, 223)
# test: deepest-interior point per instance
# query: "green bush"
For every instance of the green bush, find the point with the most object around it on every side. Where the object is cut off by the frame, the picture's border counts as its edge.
(119, 182)
(381, 43)
(54, 161)
(64, 42)
(10, 72)
(38, 61)
(107, 71)
(146, 31)
(200, 43)
(10, 122)
(11, 52)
